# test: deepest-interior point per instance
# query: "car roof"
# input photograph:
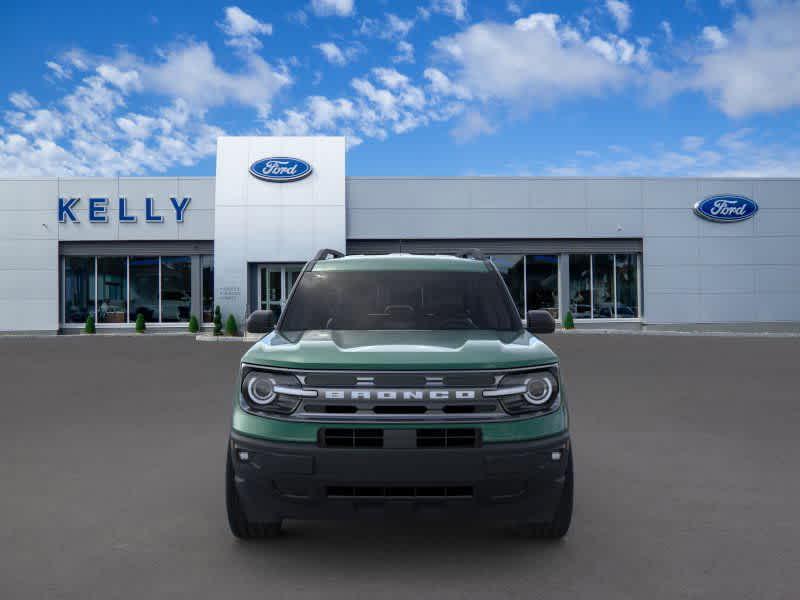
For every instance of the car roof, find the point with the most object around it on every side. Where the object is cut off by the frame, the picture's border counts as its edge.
(401, 262)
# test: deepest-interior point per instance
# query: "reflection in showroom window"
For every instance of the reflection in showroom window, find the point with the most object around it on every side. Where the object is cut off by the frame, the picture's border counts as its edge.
(144, 288)
(580, 287)
(541, 276)
(604, 286)
(176, 289)
(78, 288)
(627, 286)
(207, 269)
(112, 278)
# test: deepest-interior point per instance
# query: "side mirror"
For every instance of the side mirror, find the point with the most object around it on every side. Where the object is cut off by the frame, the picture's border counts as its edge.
(541, 321)
(261, 321)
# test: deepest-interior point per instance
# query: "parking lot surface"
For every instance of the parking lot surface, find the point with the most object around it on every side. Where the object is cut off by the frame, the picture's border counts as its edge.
(686, 458)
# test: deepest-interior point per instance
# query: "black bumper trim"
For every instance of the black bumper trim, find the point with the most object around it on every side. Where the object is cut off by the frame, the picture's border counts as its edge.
(509, 481)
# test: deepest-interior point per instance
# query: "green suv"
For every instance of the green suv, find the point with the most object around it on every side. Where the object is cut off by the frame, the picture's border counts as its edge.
(399, 385)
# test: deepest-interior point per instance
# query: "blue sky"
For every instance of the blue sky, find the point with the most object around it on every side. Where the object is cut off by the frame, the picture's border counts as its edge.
(436, 87)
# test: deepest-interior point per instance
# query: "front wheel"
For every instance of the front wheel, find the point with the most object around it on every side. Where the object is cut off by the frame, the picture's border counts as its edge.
(559, 525)
(238, 522)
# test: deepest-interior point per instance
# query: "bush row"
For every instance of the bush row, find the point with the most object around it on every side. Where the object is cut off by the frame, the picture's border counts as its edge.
(231, 326)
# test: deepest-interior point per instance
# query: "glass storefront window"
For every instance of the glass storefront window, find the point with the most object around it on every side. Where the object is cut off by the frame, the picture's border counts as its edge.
(627, 286)
(207, 270)
(603, 286)
(112, 289)
(512, 269)
(541, 277)
(78, 288)
(176, 289)
(144, 288)
(580, 290)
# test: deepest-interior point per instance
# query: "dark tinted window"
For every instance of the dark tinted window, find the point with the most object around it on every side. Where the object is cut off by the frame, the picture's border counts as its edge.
(432, 300)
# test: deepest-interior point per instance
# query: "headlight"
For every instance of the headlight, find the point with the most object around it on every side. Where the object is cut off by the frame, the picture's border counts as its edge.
(260, 388)
(539, 388)
(265, 391)
(530, 392)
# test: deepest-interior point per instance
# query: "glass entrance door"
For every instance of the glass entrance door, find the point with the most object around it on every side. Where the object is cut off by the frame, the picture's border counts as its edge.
(274, 284)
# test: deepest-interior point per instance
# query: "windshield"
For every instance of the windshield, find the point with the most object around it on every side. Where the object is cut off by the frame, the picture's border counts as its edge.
(390, 300)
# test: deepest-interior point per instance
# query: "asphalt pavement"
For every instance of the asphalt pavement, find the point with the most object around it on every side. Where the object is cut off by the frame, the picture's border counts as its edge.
(687, 482)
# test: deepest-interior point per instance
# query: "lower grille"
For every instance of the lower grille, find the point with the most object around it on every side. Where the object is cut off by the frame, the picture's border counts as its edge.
(352, 438)
(378, 492)
(447, 438)
(341, 437)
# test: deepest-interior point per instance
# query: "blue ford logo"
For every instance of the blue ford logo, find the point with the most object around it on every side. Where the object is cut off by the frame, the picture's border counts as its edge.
(280, 169)
(726, 209)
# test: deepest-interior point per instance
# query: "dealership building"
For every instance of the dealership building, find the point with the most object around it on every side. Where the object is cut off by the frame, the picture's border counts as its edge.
(614, 252)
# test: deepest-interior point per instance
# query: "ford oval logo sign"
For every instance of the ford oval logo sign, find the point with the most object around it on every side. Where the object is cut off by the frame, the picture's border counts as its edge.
(726, 209)
(280, 169)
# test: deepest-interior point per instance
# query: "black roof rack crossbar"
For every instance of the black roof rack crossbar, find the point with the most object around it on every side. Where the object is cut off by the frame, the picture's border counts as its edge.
(472, 253)
(325, 252)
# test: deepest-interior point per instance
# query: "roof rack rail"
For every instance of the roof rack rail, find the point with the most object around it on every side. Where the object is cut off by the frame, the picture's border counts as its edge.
(325, 252)
(472, 253)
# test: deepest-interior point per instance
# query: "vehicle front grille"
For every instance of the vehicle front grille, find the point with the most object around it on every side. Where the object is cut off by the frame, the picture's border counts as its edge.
(440, 437)
(406, 492)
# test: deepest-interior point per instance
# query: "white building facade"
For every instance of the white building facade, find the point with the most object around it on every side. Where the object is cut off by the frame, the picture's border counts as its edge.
(630, 252)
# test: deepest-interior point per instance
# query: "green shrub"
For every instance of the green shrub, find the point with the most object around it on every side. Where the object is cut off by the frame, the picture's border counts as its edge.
(217, 321)
(140, 324)
(89, 327)
(569, 322)
(231, 328)
(194, 327)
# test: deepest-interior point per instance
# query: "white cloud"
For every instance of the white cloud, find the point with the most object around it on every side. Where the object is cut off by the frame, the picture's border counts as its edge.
(22, 100)
(91, 130)
(336, 55)
(398, 27)
(514, 8)
(453, 8)
(339, 8)
(621, 11)
(727, 3)
(57, 70)
(405, 53)
(472, 124)
(441, 84)
(715, 37)
(666, 27)
(735, 154)
(758, 70)
(537, 60)
(692, 143)
(243, 29)
(385, 101)
(191, 72)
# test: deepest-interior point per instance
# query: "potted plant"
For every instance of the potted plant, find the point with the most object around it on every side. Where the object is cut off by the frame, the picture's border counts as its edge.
(140, 324)
(569, 322)
(231, 328)
(217, 321)
(89, 327)
(194, 327)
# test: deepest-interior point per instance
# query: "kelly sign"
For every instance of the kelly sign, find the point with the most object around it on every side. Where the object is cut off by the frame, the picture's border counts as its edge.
(98, 210)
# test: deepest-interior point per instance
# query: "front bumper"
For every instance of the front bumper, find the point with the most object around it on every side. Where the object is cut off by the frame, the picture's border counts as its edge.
(520, 481)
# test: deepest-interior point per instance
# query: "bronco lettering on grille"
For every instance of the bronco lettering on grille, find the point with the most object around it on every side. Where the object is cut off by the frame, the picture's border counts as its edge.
(400, 394)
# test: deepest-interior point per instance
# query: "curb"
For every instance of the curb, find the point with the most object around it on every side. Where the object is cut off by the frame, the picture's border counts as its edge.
(667, 333)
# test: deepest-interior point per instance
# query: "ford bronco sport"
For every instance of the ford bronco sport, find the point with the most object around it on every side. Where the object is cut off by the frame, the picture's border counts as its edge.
(399, 385)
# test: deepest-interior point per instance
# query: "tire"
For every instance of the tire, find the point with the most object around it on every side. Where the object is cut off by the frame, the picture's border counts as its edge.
(238, 522)
(558, 527)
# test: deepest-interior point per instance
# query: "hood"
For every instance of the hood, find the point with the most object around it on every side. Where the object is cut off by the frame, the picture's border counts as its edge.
(401, 350)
